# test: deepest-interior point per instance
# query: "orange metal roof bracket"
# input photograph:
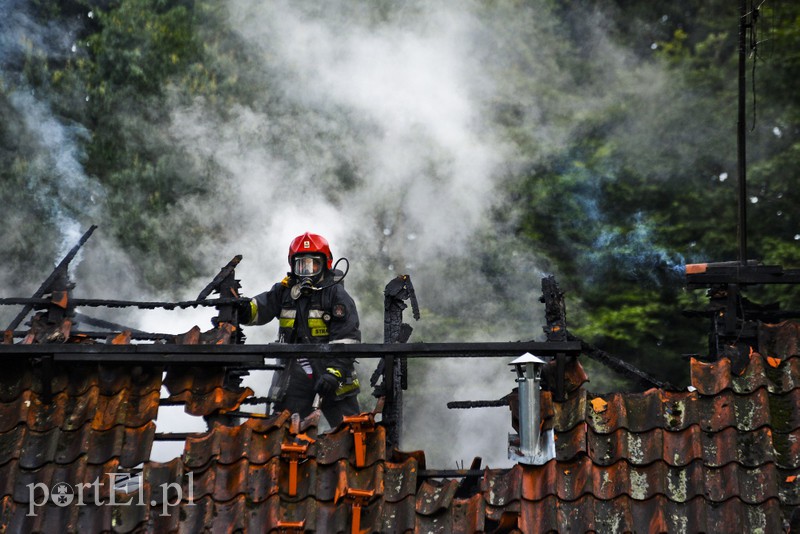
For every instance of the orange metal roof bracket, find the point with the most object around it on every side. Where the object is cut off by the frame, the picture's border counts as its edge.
(360, 499)
(291, 527)
(293, 453)
(359, 426)
(696, 268)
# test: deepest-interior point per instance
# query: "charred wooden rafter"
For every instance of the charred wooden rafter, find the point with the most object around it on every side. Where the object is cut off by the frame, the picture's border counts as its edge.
(255, 354)
(556, 331)
(60, 272)
(455, 405)
(390, 378)
(734, 319)
(113, 303)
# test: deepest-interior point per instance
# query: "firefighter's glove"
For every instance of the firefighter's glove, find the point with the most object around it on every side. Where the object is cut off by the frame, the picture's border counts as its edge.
(245, 310)
(326, 385)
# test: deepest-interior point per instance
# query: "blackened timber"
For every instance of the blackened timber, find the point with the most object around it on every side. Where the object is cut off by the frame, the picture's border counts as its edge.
(227, 286)
(621, 366)
(743, 275)
(111, 303)
(248, 400)
(457, 405)
(108, 325)
(251, 354)
(450, 473)
(176, 436)
(393, 370)
(59, 271)
(138, 335)
(766, 316)
(555, 310)
(218, 280)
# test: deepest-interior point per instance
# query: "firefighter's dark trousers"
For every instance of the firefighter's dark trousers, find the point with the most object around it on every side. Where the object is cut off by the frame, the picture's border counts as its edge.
(300, 395)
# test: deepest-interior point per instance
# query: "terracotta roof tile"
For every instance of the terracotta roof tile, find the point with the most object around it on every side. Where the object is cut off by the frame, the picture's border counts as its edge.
(571, 481)
(16, 481)
(715, 449)
(204, 389)
(224, 482)
(75, 380)
(641, 412)
(779, 340)
(70, 412)
(258, 440)
(712, 378)
(348, 476)
(501, 487)
(399, 516)
(676, 411)
(657, 514)
(339, 445)
(51, 518)
(400, 480)
(208, 402)
(723, 457)
(33, 449)
(434, 496)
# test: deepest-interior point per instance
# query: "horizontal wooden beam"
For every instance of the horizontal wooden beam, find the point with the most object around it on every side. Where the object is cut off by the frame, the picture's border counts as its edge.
(245, 355)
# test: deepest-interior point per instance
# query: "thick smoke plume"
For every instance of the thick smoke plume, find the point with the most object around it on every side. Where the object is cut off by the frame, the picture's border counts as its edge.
(382, 147)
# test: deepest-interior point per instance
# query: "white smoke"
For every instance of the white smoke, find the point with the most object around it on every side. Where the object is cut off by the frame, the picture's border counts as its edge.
(399, 104)
(73, 196)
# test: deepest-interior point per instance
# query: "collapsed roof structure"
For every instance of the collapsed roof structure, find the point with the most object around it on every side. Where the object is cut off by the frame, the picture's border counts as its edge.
(77, 427)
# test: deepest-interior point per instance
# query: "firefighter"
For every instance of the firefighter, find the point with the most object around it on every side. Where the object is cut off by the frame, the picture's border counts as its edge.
(312, 306)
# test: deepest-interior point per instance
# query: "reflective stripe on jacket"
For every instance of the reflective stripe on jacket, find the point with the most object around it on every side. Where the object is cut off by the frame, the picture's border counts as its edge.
(317, 321)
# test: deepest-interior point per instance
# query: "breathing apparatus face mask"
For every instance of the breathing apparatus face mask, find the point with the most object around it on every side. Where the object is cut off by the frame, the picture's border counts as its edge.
(307, 265)
(308, 268)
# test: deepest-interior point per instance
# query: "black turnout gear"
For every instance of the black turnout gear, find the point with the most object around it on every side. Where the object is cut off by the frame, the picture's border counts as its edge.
(325, 315)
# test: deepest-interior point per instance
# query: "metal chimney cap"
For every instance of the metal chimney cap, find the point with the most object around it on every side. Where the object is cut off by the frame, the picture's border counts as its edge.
(527, 358)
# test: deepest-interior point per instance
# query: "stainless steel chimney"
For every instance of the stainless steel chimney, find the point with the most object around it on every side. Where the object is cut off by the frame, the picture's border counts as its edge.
(530, 446)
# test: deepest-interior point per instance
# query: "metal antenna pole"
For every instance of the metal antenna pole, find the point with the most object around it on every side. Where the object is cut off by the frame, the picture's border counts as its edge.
(741, 146)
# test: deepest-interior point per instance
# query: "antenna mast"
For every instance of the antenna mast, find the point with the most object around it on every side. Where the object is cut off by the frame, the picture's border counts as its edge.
(740, 137)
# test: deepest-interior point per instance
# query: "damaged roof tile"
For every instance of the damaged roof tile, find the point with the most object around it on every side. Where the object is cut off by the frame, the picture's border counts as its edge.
(205, 390)
(33, 449)
(722, 457)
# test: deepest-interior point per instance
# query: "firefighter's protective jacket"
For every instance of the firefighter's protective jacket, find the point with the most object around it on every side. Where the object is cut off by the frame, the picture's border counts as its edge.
(327, 315)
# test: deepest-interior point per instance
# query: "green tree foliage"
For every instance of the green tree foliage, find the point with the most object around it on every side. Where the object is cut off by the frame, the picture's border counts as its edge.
(628, 202)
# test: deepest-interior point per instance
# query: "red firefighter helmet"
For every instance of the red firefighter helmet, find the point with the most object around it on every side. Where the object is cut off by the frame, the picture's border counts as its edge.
(310, 244)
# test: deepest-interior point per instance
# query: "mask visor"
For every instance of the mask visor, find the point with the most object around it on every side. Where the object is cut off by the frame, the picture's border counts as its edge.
(307, 265)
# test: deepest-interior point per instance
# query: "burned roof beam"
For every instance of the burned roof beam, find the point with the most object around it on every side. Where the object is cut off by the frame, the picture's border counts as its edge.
(224, 273)
(162, 353)
(461, 405)
(621, 366)
(705, 274)
(176, 436)
(451, 473)
(248, 400)
(108, 325)
(58, 271)
(111, 303)
(143, 336)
